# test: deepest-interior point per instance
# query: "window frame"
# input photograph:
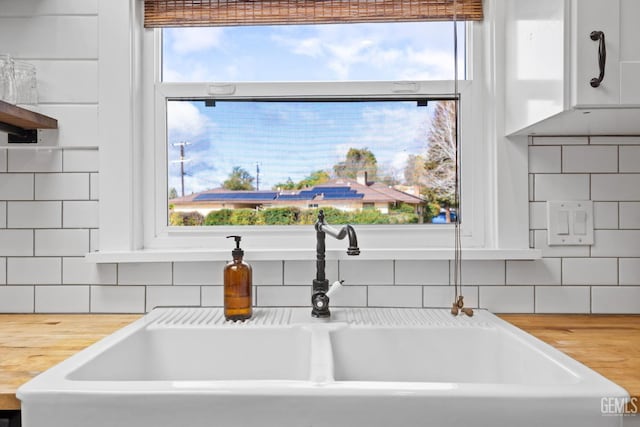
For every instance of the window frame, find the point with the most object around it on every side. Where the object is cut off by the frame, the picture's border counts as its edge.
(159, 235)
(127, 127)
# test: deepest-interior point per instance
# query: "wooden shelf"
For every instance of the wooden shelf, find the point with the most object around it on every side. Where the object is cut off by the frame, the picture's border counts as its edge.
(22, 124)
(25, 119)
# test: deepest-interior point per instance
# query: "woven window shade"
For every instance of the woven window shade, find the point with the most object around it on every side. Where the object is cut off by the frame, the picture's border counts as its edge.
(196, 13)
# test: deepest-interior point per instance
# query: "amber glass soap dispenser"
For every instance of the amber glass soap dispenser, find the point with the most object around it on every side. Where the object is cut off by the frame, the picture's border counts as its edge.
(237, 286)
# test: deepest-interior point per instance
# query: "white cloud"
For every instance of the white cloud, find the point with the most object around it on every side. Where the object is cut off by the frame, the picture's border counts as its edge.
(196, 39)
(185, 122)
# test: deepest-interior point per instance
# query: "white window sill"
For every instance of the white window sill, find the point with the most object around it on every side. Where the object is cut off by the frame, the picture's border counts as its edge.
(288, 255)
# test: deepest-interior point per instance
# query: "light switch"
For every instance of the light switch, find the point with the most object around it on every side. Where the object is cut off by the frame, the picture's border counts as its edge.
(562, 226)
(570, 222)
(580, 223)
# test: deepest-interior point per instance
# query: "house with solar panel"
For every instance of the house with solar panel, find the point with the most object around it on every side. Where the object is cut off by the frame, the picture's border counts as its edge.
(341, 193)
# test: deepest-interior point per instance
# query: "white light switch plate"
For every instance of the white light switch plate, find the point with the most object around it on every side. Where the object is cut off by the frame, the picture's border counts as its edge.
(570, 222)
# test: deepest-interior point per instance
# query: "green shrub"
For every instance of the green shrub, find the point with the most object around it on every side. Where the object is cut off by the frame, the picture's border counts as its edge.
(186, 218)
(280, 216)
(244, 217)
(370, 216)
(221, 217)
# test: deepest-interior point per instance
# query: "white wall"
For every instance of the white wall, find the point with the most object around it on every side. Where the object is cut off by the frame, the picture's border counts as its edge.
(49, 214)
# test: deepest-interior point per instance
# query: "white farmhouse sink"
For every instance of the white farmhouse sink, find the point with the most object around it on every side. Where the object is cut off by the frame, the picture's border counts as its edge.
(363, 367)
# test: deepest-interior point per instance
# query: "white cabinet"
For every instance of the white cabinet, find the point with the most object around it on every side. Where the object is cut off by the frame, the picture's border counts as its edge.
(550, 60)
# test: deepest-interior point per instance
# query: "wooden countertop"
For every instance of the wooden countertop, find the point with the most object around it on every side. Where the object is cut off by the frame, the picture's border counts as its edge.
(31, 343)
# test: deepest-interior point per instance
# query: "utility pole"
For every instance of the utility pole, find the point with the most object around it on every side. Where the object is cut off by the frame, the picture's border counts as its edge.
(182, 161)
(257, 176)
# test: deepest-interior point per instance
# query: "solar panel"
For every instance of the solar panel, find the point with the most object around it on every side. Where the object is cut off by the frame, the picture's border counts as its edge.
(258, 196)
(343, 196)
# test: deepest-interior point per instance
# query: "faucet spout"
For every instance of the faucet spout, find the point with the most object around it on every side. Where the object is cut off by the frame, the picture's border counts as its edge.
(319, 298)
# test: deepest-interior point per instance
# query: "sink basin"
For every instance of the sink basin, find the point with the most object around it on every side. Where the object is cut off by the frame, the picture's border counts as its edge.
(362, 367)
(210, 354)
(480, 355)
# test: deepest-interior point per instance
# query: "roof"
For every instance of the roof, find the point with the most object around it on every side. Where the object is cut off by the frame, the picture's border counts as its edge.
(339, 189)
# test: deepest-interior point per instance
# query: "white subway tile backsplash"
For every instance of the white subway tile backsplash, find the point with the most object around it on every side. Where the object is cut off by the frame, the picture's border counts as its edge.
(80, 160)
(630, 158)
(630, 215)
(563, 299)
(350, 296)
(172, 296)
(615, 187)
(561, 187)
(630, 271)
(16, 242)
(35, 161)
(266, 272)
(538, 215)
(80, 214)
(421, 272)
(616, 243)
(615, 299)
(213, 296)
(34, 271)
(94, 186)
(34, 214)
(303, 272)
(78, 271)
(482, 272)
(283, 296)
(444, 296)
(62, 299)
(506, 299)
(151, 273)
(16, 299)
(3, 158)
(545, 271)
(615, 140)
(589, 159)
(199, 273)
(16, 186)
(395, 296)
(93, 240)
(560, 140)
(62, 186)
(61, 242)
(545, 159)
(589, 271)
(605, 215)
(366, 272)
(118, 299)
(3, 214)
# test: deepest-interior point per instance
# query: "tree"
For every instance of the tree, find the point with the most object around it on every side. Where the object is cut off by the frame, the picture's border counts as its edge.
(288, 185)
(440, 177)
(415, 170)
(173, 193)
(317, 177)
(357, 160)
(239, 179)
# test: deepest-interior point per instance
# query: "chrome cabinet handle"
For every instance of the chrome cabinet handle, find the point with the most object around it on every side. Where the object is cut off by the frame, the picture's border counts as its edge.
(602, 57)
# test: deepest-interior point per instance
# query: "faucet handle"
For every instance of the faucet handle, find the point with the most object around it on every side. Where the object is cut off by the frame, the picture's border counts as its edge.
(335, 287)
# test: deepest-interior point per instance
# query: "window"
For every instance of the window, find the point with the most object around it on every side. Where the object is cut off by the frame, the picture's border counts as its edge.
(260, 126)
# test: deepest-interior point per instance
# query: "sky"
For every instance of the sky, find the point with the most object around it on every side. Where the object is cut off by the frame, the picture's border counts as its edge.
(290, 140)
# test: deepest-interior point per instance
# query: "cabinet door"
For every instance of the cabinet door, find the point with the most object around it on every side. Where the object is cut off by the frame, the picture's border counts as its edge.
(588, 16)
(629, 53)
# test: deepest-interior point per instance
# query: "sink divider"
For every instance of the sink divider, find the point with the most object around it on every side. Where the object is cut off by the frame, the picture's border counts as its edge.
(321, 364)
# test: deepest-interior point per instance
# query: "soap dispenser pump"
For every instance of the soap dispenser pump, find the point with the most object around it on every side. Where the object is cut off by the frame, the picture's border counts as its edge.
(237, 285)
